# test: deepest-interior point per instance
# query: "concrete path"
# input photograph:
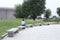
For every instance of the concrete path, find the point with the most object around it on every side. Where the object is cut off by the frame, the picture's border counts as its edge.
(51, 32)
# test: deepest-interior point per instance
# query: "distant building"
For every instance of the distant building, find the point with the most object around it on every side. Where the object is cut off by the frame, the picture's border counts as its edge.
(6, 13)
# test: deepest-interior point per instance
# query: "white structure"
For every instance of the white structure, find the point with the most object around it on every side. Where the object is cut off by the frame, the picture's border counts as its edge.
(6, 13)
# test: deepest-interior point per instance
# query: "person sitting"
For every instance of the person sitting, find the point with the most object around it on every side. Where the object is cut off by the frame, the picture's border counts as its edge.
(23, 23)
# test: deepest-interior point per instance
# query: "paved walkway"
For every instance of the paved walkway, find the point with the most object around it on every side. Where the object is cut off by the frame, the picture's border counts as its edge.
(51, 32)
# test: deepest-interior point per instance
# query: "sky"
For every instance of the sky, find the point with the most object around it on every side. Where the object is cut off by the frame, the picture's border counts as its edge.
(50, 4)
(53, 4)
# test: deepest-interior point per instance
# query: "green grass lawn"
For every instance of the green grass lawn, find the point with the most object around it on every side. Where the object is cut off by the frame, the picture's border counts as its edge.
(10, 23)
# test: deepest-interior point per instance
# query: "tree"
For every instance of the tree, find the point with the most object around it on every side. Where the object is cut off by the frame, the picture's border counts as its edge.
(34, 7)
(18, 12)
(47, 13)
(25, 9)
(58, 11)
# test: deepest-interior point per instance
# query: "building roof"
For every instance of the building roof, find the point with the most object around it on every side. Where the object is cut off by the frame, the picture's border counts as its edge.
(6, 8)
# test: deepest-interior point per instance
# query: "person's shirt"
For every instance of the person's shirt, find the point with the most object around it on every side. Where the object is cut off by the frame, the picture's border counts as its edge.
(23, 22)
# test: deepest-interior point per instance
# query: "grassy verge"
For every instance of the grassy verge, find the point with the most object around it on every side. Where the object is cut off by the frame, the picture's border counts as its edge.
(10, 23)
(7, 24)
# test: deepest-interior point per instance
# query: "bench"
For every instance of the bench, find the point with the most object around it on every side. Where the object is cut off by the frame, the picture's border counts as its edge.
(21, 27)
(12, 31)
(29, 25)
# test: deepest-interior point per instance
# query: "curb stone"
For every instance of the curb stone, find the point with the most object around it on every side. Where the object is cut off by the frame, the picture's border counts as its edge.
(0, 37)
(3, 36)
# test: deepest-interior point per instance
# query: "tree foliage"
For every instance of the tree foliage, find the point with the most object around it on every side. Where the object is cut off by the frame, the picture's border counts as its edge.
(33, 8)
(18, 11)
(25, 9)
(36, 7)
(47, 13)
(58, 11)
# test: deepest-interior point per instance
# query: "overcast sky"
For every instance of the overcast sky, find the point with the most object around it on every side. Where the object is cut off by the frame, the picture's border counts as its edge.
(51, 4)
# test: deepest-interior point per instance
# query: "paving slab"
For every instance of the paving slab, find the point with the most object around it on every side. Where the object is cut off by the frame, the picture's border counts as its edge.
(50, 32)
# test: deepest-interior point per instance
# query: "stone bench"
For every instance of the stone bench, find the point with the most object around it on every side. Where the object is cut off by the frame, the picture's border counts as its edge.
(29, 25)
(12, 31)
(38, 24)
(46, 24)
(21, 27)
